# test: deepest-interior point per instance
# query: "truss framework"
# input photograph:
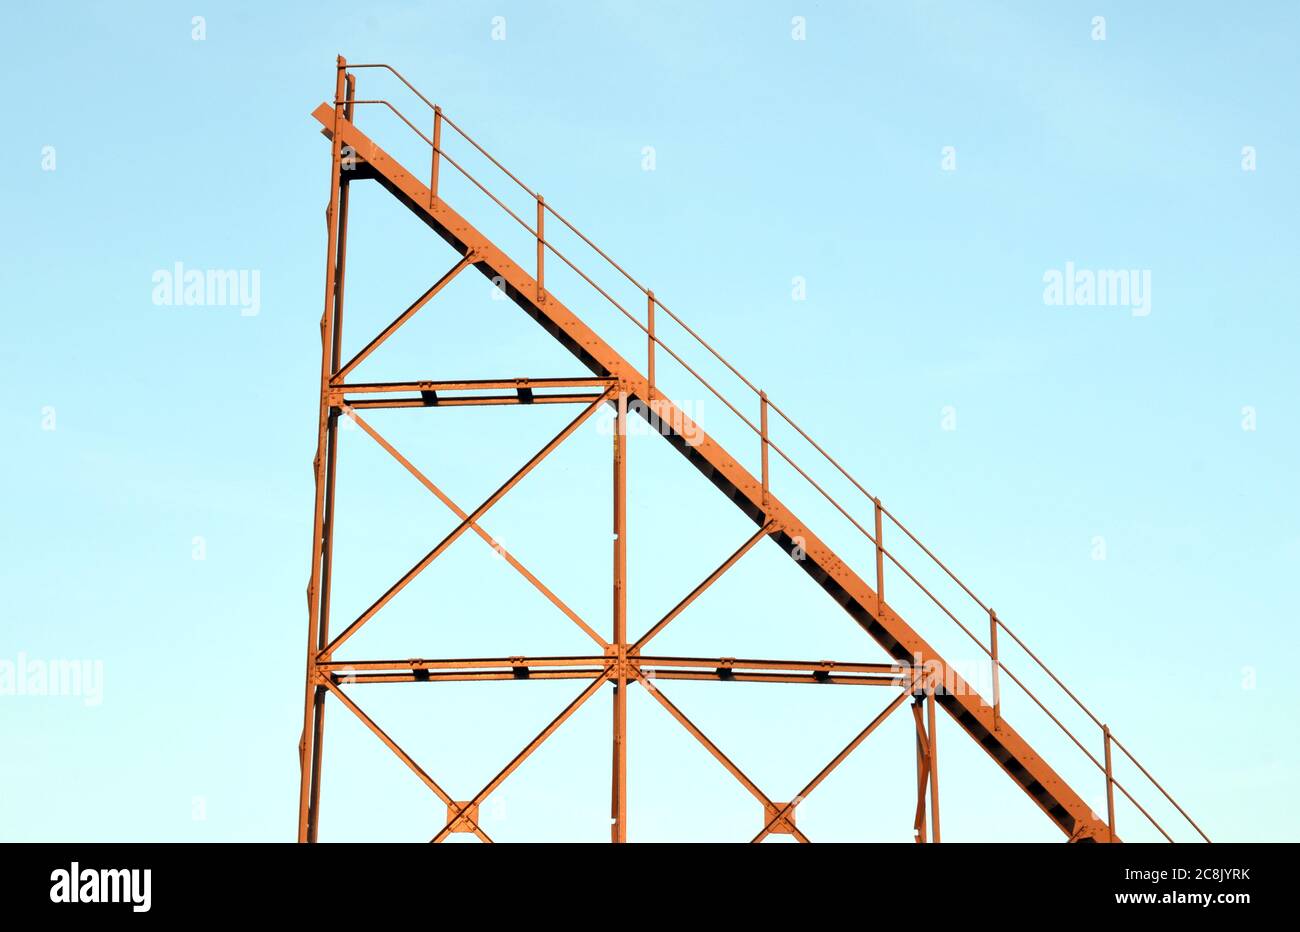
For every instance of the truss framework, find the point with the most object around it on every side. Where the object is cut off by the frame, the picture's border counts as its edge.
(619, 661)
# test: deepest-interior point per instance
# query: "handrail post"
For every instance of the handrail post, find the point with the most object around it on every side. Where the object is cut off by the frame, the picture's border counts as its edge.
(541, 249)
(993, 651)
(762, 397)
(650, 342)
(880, 555)
(437, 151)
(1110, 787)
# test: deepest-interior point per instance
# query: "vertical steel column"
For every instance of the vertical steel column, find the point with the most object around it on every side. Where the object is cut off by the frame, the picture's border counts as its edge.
(350, 94)
(331, 472)
(313, 713)
(934, 769)
(618, 801)
(922, 769)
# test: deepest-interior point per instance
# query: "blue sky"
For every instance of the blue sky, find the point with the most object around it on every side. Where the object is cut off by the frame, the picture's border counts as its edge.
(1022, 440)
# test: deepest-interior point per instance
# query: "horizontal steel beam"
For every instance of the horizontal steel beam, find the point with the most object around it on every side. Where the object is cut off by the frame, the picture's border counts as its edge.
(472, 385)
(465, 401)
(457, 676)
(443, 394)
(461, 663)
(806, 678)
(740, 663)
(417, 670)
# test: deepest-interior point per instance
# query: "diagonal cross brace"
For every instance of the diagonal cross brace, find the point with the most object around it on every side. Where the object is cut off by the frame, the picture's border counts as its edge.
(699, 590)
(825, 772)
(460, 529)
(421, 301)
(524, 754)
(782, 818)
(460, 814)
(478, 529)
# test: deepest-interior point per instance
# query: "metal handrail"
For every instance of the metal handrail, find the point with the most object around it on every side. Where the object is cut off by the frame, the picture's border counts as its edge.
(767, 443)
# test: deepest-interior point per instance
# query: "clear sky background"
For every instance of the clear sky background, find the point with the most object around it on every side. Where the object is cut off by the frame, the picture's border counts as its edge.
(1121, 488)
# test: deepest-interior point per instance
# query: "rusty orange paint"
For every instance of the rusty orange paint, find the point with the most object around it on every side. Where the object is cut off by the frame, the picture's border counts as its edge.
(620, 660)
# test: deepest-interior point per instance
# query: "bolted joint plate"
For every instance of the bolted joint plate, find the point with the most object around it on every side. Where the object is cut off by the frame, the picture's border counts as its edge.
(786, 825)
(463, 818)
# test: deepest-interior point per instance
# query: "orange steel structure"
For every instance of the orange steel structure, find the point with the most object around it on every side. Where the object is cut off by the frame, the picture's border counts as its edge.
(915, 671)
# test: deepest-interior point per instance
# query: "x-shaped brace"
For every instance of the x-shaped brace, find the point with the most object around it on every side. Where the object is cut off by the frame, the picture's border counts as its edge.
(468, 521)
(463, 816)
(784, 820)
(699, 590)
(464, 263)
(457, 812)
(826, 771)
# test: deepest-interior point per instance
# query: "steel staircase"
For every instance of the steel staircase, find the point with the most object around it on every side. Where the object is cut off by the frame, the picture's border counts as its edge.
(980, 717)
